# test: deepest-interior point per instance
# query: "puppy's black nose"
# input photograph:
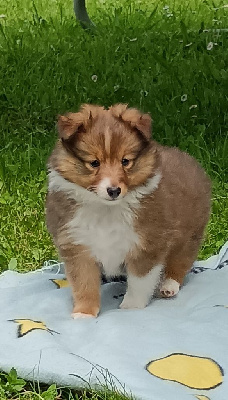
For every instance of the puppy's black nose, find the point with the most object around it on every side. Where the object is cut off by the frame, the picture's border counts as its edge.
(113, 192)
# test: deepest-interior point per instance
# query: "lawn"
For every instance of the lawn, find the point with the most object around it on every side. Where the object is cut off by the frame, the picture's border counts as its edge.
(168, 58)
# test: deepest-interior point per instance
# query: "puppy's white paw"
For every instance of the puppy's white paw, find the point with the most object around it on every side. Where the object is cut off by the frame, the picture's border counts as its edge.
(169, 288)
(81, 315)
(130, 302)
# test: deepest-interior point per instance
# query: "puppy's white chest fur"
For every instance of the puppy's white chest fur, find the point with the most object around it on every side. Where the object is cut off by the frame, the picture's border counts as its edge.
(107, 231)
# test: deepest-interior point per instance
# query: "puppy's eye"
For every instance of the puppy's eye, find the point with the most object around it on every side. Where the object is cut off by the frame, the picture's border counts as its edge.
(125, 162)
(95, 164)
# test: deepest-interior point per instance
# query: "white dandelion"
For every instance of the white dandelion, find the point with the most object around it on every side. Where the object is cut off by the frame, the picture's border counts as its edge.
(94, 78)
(210, 46)
(184, 97)
(144, 93)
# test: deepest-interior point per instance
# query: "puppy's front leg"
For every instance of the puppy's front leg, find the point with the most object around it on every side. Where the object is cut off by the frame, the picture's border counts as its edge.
(141, 287)
(83, 274)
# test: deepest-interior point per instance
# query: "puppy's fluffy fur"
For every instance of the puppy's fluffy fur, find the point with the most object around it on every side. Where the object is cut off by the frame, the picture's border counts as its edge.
(119, 202)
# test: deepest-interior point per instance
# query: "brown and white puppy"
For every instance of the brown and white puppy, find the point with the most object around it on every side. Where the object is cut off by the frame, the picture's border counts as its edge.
(117, 198)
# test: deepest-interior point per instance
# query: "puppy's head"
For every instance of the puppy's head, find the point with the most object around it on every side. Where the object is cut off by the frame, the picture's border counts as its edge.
(108, 152)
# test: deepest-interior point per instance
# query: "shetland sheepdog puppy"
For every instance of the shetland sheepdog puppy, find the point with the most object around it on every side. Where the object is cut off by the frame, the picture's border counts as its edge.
(119, 202)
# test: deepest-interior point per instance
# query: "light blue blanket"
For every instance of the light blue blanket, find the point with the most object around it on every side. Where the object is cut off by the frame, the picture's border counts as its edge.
(174, 349)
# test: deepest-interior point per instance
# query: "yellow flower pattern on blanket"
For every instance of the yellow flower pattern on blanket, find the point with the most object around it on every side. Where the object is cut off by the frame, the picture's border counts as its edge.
(200, 397)
(192, 371)
(60, 283)
(28, 325)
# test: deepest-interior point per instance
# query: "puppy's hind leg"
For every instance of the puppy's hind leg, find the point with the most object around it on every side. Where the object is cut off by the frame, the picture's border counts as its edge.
(179, 263)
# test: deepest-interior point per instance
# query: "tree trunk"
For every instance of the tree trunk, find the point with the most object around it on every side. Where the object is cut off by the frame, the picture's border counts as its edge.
(81, 14)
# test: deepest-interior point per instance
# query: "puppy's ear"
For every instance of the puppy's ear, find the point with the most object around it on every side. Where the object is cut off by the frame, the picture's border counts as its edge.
(133, 117)
(70, 124)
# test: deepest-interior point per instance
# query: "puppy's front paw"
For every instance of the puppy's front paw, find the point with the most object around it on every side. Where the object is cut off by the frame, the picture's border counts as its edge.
(169, 288)
(82, 315)
(85, 311)
(130, 302)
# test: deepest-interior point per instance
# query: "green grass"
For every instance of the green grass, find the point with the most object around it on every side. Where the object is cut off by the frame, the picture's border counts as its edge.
(143, 53)
(14, 388)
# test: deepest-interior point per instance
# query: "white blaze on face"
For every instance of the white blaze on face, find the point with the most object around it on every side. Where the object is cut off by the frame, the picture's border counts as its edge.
(107, 141)
(102, 188)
